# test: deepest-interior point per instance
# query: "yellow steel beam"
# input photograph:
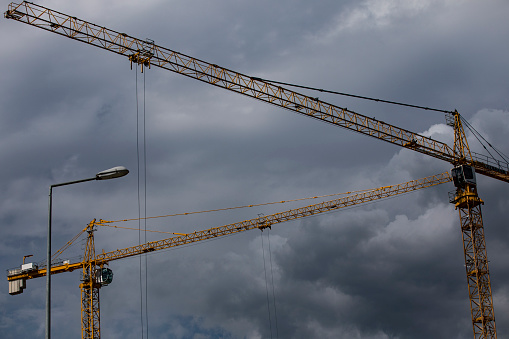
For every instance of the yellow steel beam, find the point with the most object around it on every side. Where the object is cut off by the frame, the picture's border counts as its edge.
(269, 220)
(146, 52)
(468, 204)
(42, 272)
(260, 222)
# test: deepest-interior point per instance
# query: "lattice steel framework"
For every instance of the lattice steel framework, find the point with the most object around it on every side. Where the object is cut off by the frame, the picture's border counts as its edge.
(476, 263)
(269, 220)
(146, 52)
(468, 204)
(90, 310)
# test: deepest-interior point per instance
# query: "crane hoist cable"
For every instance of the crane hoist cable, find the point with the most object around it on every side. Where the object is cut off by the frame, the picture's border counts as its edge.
(479, 136)
(273, 288)
(355, 96)
(69, 243)
(105, 223)
(110, 222)
(141, 159)
(147, 53)
(475, 133)
(272, 283)
(349, 200)
(266, 283)
(246, 206)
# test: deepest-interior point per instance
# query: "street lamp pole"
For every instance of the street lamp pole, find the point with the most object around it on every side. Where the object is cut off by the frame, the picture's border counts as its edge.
(115, 172)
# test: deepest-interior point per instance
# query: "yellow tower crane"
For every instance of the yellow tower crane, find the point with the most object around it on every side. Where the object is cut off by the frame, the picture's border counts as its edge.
(465, 163)
(95, 274)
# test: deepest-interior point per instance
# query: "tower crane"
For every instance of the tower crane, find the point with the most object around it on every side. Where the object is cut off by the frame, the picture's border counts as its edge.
(465, 162)
(95, 274)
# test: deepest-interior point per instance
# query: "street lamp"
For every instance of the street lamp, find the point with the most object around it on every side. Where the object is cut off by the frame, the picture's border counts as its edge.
(115, 172)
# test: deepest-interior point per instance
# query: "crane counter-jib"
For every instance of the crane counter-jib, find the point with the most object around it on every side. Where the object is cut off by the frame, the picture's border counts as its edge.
(19, 273)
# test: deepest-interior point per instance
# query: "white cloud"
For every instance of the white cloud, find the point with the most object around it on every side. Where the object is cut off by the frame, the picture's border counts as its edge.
(375, 14)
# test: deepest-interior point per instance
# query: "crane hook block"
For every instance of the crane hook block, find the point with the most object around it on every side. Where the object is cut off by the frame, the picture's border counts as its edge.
(264, 226)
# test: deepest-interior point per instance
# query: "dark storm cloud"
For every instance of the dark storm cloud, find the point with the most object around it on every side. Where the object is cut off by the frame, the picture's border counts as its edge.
(392, 269)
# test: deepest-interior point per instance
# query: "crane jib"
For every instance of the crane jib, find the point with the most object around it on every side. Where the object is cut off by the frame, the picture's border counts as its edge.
(147, 53)
(260, 222)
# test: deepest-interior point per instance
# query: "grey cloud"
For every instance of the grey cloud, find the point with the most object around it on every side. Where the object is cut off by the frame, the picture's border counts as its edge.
(391, 269)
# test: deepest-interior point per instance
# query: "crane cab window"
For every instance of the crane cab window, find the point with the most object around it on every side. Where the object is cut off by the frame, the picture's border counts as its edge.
(462, 175)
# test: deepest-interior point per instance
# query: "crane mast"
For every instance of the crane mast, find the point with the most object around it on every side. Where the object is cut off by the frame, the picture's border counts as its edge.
(468, 204)
(146, 53)
(95, 275)
(91, 282)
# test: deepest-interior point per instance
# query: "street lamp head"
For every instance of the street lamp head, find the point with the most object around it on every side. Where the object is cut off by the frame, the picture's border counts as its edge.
(115, 172)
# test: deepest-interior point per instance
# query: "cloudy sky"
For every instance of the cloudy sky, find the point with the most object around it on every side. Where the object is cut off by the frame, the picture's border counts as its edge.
(390, 269)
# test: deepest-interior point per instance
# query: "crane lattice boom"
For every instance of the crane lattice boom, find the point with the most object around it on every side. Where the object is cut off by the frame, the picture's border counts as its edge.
(146, 52)
(260, 222)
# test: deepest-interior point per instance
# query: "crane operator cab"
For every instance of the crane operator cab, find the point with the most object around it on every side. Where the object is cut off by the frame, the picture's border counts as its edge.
(104, 276)
(462, 175)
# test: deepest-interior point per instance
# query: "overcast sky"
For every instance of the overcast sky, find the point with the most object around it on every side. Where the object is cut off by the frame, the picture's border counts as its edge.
(390, 269)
